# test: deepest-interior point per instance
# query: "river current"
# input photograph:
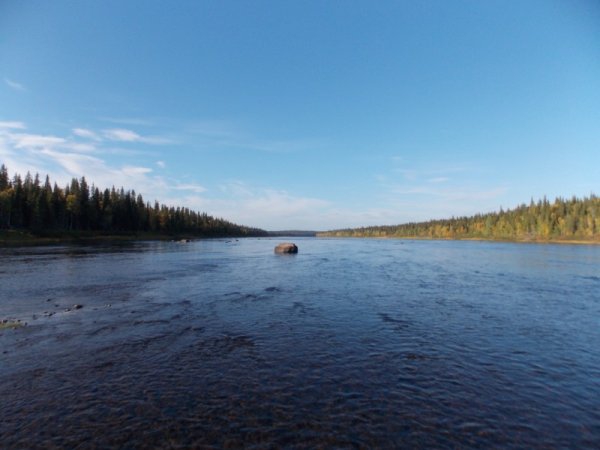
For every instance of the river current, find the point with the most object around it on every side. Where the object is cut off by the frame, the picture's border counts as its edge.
(348, 344)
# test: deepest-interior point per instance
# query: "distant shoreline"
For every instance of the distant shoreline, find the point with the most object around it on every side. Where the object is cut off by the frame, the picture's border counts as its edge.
(15, 238)
(514, 241)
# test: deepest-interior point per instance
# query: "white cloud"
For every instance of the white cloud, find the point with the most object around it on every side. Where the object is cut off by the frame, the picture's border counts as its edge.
(130, 170)
(264, 207)
(15, 85)
(452, 193)
(85, 133)
(74, 164)
(189, 187)
(237, 189)
(64, 158)
(337, 217)
(161, 164)
(124, 135)
(12, 125)
(23, 140)
(80, 147)
(281, 204)
(119, 134)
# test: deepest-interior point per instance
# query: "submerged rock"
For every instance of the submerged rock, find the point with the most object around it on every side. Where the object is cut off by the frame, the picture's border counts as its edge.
(286, 247)
(9, 323)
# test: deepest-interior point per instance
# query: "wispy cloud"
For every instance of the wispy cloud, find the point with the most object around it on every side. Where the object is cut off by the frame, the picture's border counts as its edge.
(12, 125)
(430, 172)
(25, 140)
(80, 147)
(266, 207)
(120, 134)
(74, 164)
(125, 135)
(161, 164)
(130, 121)
(136, 170)
(68, 156)
(452, 193)
(431, 175)
(198, 189)
(415, 191)
(38, 141)
(86, 134)
(15, 85)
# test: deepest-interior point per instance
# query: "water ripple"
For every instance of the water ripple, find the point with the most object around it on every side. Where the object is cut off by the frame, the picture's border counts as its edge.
(352, 344)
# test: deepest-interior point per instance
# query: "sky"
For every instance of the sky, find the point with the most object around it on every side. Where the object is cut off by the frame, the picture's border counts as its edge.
(307, 115)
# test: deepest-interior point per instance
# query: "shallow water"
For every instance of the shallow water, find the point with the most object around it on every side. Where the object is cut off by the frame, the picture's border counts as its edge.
(350, 343)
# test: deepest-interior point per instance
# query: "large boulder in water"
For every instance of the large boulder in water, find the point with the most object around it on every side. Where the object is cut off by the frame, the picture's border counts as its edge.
(286, 247)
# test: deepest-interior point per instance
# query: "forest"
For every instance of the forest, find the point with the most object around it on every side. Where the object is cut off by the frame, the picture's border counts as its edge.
(575, 219)
(43, 209)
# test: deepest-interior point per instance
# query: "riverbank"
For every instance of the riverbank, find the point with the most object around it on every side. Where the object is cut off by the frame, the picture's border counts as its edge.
(15, 238)
(574, 241)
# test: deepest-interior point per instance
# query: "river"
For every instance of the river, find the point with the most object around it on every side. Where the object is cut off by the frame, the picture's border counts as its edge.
(351, 343)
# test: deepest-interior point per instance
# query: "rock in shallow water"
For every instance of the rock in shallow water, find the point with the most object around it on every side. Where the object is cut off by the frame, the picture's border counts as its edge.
(286, 247)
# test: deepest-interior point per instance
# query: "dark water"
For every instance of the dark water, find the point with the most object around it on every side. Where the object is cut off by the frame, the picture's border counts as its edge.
(350, 343)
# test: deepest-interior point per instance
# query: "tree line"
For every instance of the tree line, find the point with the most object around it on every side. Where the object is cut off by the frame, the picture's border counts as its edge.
(28, 204)
(562, 219)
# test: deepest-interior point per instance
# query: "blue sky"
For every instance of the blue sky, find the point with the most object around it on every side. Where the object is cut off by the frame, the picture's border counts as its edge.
(308, 115)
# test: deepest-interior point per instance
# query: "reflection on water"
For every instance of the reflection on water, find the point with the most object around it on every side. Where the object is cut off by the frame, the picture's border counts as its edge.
(350, 343)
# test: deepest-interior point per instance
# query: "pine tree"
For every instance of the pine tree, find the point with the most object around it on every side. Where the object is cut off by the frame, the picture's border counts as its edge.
(4, 180)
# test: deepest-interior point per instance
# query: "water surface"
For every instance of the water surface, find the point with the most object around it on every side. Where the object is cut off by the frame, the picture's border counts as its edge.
(350, 343)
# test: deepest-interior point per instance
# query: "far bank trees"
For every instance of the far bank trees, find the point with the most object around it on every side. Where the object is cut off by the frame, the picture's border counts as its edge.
(562, 219)
(42, 208)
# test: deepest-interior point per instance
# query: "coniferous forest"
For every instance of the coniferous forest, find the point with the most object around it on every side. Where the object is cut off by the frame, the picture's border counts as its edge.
(576, 219)
(42, 208)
